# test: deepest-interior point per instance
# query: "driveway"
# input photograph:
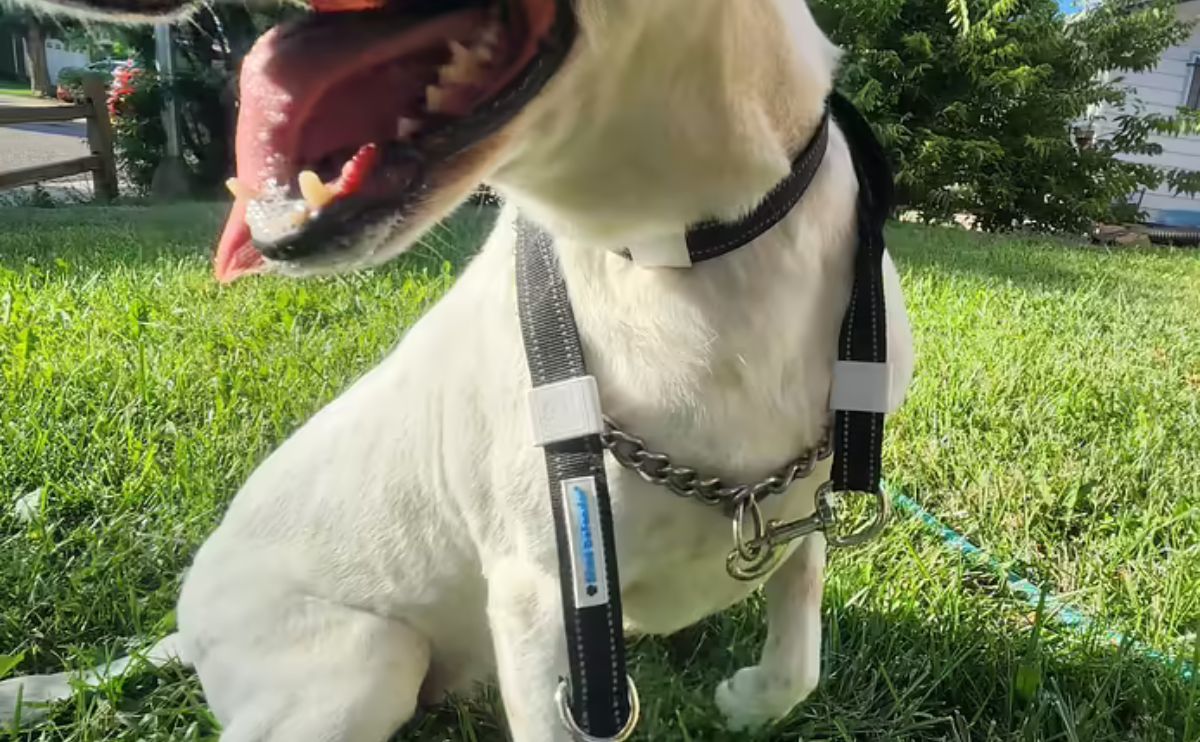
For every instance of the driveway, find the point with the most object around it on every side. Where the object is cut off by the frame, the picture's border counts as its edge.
(26, 145)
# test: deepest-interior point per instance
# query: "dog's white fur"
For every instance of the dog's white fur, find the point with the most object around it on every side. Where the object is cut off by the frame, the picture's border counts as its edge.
(400, 544)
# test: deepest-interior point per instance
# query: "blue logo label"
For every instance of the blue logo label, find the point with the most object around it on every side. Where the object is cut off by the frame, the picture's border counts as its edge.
(585, 534)
(587, 547)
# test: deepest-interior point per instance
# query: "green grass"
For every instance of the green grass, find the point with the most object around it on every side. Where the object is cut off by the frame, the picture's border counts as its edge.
(1055, 420)
(11, 87)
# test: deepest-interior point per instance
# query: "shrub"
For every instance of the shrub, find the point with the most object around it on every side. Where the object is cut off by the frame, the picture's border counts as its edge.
(977, 103)
(70, 83)
(71, 76)
(136, 102)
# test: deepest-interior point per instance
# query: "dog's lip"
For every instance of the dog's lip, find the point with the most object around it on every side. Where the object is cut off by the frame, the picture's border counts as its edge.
(406, 171)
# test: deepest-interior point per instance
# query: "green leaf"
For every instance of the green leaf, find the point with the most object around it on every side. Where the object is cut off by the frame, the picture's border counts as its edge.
(960, 15)
(9, 662)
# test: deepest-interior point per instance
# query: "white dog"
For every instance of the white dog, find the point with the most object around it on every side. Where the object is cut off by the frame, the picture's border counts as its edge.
(400, 545)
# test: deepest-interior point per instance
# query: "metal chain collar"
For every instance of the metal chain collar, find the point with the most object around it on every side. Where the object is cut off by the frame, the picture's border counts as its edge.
(656, 468)
(757, 554)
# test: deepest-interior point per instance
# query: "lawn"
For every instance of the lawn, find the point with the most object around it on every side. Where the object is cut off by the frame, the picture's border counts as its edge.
(1055, 421)
(11, 87)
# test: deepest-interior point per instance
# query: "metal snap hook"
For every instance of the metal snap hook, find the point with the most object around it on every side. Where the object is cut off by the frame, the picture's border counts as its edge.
(756, 557)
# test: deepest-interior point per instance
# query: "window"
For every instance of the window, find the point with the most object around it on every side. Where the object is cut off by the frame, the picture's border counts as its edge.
(1193, 91)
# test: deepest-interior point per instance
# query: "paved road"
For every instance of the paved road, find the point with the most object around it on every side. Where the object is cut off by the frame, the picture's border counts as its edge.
(26, 145)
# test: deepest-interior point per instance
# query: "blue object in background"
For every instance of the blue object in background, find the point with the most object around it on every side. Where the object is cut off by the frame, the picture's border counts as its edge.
(1057, 609)
(1182, 218)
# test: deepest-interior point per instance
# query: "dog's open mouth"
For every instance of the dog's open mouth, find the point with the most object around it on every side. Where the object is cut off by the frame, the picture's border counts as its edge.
(346, 118)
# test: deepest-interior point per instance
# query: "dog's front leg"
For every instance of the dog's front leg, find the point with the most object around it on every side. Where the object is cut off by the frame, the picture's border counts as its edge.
(790, 666)
(525, 614)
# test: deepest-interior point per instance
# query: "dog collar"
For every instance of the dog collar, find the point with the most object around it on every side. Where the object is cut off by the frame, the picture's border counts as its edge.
(711, 238)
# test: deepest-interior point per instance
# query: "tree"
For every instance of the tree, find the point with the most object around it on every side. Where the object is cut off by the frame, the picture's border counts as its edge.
(976, 99)
(39, 71)
(35, 29)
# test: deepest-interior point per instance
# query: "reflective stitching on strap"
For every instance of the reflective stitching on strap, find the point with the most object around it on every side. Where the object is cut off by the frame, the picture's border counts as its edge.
(613, 669)
(808, 167)
(756, 228)
(850, 314)
(872, 421)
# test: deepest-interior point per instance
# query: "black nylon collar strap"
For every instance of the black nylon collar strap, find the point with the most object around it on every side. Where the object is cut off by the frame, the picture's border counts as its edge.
(712, 239)
(599, 691)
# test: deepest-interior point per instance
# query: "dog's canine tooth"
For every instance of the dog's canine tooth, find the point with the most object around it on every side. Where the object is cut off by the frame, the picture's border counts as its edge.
(316, 194)
(240, 190)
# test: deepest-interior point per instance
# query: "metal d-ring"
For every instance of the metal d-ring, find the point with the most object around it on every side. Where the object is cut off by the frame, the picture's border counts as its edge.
(756, 556)
(578, 735)
(883, 513)
(749, 549)
(751, 570)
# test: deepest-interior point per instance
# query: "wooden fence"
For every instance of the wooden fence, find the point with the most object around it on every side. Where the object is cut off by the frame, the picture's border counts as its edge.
(100, 163)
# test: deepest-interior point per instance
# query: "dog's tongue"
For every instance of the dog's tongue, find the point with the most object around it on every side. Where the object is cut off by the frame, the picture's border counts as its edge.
(236, 255)
(259, 135)
(307, 91)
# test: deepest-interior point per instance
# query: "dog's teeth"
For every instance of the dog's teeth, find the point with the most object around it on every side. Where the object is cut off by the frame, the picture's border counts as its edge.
(316, 194)
(456, 75)
(491, 35)
(299, 215)
(434, 98)
(272, 219)
(460, 55)
(483, 53)
(463, 67)
(406, 127)
(240, 190)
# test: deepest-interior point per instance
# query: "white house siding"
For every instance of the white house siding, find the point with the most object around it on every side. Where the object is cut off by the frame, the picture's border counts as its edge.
(1162, 90)
(59, 57)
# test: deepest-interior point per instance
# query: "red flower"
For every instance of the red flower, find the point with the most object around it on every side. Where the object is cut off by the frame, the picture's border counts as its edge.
(124, 84)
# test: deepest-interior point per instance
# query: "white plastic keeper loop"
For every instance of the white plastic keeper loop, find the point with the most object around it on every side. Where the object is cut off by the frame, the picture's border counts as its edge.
(668, 251)
(866, 387)
(565, 410)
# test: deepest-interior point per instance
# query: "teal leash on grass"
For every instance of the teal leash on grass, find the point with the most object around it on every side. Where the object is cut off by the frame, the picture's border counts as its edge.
(1058, 609)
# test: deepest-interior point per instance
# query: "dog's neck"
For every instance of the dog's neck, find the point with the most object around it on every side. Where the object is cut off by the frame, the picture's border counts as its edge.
(694, 109)
(673, 111)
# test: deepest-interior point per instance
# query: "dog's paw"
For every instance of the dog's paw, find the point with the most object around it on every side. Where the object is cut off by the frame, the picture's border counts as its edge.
(751, 699)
